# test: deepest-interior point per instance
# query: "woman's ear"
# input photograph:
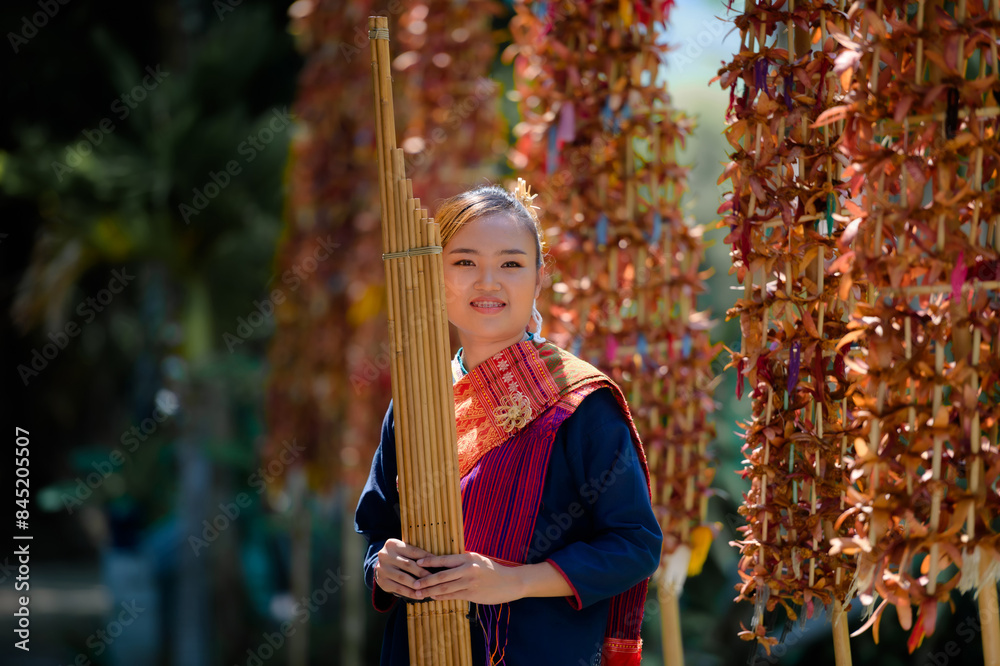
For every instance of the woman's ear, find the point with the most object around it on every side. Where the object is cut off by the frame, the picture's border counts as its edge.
(538, 282)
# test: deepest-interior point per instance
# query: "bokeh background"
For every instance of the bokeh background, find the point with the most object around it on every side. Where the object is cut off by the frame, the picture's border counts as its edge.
(157, 207)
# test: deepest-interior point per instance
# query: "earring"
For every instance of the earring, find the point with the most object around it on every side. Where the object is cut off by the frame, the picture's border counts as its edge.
(536, 317)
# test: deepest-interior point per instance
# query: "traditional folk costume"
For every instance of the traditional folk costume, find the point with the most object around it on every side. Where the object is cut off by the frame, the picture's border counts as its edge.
(552, 470)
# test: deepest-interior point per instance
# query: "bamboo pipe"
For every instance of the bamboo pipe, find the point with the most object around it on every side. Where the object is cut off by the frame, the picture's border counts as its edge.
(413, 454)
(415, 533)
(384, 137)
(438, 631)
(439, 377)
(429, 360)
(428, 454)
(443, 376)
(439, 539)
(453, 540)
(418, 454)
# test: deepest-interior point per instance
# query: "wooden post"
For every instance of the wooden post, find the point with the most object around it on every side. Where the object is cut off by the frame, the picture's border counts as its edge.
(989, 619)
(669, 583)
(841, 635)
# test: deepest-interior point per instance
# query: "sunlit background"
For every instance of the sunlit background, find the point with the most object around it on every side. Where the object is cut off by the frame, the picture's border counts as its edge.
(145, 178)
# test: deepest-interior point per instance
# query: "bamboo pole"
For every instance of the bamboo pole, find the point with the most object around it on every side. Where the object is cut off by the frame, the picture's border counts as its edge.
(429, 359)
(426, 436)
(915, 290)
(989, 612)
(936, 470)
(989, 616)
(841, 635)
(673, 650)
(428, 454)
(385, 139)
(415, 453)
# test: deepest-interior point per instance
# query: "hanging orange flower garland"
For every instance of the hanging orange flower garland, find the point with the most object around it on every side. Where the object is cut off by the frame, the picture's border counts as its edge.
(785, 215)
(598, 141)
(322, 400)
(923, 111)
(453, 132)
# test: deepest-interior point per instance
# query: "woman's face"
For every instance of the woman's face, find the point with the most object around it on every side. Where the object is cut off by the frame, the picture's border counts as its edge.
(491, 280)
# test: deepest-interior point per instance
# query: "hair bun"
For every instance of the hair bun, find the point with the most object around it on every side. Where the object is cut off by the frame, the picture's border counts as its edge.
(522, 192)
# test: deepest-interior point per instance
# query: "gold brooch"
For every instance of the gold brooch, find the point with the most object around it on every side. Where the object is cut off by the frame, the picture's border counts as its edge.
(514, 412)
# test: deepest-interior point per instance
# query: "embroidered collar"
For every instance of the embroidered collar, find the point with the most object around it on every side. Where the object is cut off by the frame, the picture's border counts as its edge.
(459, 359)
(507, 391)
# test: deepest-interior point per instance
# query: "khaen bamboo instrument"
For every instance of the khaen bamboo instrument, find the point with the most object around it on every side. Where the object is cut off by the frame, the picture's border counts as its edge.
(424, 411)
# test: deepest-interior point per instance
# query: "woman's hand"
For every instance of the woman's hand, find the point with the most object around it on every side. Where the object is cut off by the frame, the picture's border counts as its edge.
(469, 577)
(396, 570)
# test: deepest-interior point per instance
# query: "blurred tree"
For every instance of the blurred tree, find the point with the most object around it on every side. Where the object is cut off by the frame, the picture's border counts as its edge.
(167, 169)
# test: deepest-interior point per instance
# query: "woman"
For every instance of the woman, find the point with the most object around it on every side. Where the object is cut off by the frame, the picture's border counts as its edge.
(559, 532)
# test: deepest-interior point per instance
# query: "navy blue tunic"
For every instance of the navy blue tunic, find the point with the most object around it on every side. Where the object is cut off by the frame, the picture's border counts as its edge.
(595, 525)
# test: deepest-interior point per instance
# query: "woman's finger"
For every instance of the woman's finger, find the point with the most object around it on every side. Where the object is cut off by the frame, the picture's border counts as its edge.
(409, 550)
(446, 576)
(415, 553)
(396, 581)
(404, 556)
(443, 560)
(393, 587)
(461, 595)
(388, 563)
(394, 554)
(443, 590)
(409, 565)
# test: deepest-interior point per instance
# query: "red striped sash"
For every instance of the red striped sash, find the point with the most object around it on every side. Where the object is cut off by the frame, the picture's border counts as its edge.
(508, 410)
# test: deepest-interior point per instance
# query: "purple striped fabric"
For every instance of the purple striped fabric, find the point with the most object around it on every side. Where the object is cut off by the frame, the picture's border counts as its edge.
(500, 500)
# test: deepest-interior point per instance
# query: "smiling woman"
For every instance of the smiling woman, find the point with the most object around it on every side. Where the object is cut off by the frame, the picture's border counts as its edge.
(556, 573)
(492, 279)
